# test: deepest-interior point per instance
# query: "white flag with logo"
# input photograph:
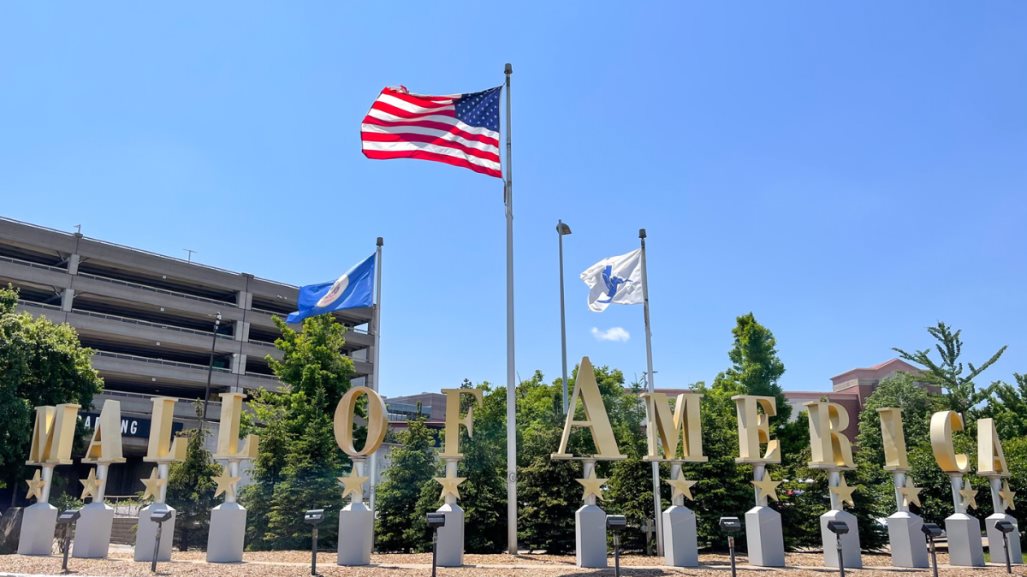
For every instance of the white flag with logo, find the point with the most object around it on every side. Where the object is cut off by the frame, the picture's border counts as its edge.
(617, 280)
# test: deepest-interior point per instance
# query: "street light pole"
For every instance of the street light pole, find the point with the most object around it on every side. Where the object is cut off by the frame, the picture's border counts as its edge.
(562, 230)
(210, 367)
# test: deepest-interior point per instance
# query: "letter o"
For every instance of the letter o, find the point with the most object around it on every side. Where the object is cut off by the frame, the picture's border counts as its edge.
(377, 423)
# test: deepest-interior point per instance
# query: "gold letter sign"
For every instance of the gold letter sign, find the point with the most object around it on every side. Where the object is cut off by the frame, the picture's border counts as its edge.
(596, 419)
(105, 446)
(830, 448)
(754, 429)
(377, 424)
(682, 428)
(990, 458)
(162, 448)
(943, 424)
(894, 440)
(228, 431)
(53, 435)
(451, 448)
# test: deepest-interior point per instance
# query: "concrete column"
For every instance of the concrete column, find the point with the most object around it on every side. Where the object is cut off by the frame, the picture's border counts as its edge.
(67, 299)
(238, 363)
(73, 262)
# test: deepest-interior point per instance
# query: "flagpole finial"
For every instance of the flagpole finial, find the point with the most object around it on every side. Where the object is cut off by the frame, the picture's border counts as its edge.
(509, 69)
(381, 241)
(641, 233)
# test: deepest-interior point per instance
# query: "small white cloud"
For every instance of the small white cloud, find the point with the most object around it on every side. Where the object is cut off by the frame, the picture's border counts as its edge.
(614, 334)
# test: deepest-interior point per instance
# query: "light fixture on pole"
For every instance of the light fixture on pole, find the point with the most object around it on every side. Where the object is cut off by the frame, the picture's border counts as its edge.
(436, 521)
(158, 516)
(210, 367)
(615, 524)
(731, 526)
(1006, 528)
(932, 531)
(563, 230)
(67, 520)
(313, 517)
(839, 528)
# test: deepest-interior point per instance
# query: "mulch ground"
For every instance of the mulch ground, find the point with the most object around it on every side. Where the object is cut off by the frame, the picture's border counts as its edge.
(297, 564)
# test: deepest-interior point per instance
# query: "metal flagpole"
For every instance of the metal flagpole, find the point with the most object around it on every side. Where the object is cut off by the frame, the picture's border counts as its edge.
(657, 512)
(376, 368)
(561, 230)
(511, 374)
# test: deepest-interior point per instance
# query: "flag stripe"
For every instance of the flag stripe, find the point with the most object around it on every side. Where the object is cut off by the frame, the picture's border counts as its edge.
(423, 155)
(456, 130)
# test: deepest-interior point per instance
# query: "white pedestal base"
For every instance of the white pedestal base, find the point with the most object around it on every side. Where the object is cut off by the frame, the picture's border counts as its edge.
(93, 531)
(146, 534)
(764, 538)
(38, 523)
(964, 533)
(907, 541)
(355, 527)
(850, 540)
(590, 537)
(995, 544)
(680, 543)
(451, 537)
(227, 533)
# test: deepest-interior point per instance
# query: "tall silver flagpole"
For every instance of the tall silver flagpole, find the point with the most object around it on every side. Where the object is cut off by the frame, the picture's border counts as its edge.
(376, 367)
(658, 513)
(561, 230)
(511, 372)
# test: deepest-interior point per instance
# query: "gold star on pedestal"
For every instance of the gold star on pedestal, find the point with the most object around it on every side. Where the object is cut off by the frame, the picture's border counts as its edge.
(969, 495)
(766, 488)
(844, 491)
(352, 484)
(35, 487)
(910, 494)
(682, 487)
(90, 485)
(1007, 496)
(226, 483)
(153, 484)
(593, 486)
(450, 486)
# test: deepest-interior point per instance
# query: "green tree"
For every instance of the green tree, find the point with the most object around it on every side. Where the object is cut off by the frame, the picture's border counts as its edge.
(191, 491)
(300, 461)
(960, 389)
(1007, 404)
(411, 472)
(41, 363)
(755, 368)
(483, 495)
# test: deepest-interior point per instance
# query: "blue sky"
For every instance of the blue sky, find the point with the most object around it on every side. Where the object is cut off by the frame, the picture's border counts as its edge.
(849, 173)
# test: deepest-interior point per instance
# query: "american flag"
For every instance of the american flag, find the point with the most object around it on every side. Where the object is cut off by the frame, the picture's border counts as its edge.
(461, 130)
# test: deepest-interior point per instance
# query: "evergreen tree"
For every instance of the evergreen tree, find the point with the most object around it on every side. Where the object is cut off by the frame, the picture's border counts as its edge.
(755, 368)
(399, 528)
(191, 490)
(960, 389)
(483, 495)
(1007, 404)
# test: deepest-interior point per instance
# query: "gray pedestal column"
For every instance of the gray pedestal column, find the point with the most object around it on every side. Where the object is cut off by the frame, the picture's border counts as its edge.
(93, 531)
(764, 538)
(590, 536)
(907, 541)
(996, 547)
(38, 523)
(146, 534)
(356, 525)
(963, 531)
(450, 552)
(850, 540)
(680, 542)
(227, 533)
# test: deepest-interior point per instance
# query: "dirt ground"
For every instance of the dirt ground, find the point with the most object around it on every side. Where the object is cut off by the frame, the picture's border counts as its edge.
(297, 564)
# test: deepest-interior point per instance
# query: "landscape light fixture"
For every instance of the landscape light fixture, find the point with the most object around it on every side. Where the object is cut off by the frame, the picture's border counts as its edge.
(313, 517)
(1006, 528)
(932, 531)
(839, 528)
(158, 516)
(436, 521)
(731, 526)
(67, 520)
(616, 524)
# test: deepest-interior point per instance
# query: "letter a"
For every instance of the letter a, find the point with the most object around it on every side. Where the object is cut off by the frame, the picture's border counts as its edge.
(596, 419)
(991, 460)
(105, 446)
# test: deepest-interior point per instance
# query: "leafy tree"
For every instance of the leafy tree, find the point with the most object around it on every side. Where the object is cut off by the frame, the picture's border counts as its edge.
(41, 363)
(399, 528)
(483, 495)
(191, 491)
(1007, 404)
(300, 461)
(948, 372)
(755, 368)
